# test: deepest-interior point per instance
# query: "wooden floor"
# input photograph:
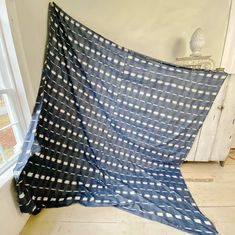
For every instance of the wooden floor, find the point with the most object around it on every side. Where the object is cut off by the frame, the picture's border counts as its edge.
(212, 186)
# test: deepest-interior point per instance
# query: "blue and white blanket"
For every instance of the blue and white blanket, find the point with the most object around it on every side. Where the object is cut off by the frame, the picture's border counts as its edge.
(111, 127)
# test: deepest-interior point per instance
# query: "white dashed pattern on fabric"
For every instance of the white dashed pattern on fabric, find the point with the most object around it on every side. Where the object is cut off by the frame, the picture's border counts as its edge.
(111, 127)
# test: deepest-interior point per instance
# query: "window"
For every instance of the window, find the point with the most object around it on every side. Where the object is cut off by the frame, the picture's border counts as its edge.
(14, 110)
(10, 129)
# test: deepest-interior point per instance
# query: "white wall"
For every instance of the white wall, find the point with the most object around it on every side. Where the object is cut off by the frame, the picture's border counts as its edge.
(233, 142)
(11, 219)
(157, 28)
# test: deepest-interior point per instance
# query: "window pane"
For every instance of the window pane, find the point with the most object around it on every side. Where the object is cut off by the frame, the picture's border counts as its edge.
(4, 117)
(7, 144)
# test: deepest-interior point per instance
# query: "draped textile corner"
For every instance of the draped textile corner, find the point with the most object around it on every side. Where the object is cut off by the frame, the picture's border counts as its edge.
(111, 126)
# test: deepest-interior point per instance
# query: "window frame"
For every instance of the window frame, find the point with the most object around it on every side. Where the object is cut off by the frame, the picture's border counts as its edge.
(13, 86)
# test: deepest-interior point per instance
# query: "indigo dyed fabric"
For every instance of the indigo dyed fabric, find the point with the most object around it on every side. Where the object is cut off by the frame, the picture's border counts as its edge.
(111, 127)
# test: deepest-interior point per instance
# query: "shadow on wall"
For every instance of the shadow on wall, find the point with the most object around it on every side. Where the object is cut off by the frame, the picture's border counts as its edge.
(179, 48)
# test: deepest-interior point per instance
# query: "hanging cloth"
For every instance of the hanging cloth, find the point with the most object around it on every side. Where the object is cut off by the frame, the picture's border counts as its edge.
(111, 127)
